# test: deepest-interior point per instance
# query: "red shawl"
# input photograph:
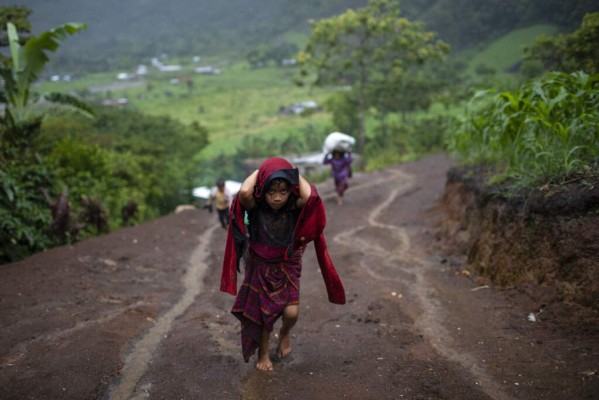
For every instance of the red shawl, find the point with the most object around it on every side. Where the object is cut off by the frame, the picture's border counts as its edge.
(310, 227)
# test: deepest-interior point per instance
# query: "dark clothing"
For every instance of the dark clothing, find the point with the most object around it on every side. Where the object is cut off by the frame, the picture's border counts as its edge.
(271, 233)
(223, 216)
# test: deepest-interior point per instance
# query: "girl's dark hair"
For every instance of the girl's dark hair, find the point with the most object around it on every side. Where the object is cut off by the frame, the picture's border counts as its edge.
(276, 181)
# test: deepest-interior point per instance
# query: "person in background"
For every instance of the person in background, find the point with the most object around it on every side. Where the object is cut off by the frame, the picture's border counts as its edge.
(340, 162)
(275, 214)
(220, 197)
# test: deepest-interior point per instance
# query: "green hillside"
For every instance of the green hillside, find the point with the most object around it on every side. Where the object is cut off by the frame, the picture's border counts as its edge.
(129, 31)
(122, 33)
(504, 54)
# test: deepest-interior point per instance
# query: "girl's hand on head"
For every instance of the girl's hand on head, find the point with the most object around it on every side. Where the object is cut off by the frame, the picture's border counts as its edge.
(246, 191)
(305, 190)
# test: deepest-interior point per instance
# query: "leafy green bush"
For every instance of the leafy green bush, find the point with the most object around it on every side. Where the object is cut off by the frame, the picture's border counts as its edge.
(544, 133)
(570, 52)
(125, 155)
(95, 173)
(97, 168)
(24, 215)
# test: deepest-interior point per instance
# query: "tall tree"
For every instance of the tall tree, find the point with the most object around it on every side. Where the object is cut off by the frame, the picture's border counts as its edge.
(364, 47)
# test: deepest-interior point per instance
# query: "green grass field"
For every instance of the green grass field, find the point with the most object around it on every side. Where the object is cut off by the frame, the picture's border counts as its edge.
(240, 101)
(505, 52)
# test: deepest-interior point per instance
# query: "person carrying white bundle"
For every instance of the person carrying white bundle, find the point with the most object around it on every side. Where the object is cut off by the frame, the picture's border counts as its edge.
(338, 141)
(337, 148)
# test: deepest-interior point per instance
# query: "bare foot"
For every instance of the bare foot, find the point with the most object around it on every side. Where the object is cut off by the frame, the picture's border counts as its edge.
(264, 363)
(284, 347)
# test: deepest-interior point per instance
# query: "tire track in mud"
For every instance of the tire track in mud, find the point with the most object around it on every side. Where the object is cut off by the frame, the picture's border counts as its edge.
(138, 360)
(429, 319)
(356, 239)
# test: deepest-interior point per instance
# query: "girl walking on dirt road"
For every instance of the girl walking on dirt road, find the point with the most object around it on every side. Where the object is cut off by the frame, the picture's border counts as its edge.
(273, 217)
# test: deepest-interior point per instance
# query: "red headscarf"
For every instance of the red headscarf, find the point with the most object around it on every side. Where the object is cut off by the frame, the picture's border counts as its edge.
(272, 168)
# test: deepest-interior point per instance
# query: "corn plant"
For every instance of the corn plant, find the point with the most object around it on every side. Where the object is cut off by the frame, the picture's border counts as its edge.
(545, 133)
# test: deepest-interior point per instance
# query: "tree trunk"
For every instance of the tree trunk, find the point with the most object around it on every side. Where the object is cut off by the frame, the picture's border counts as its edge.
(362, 110)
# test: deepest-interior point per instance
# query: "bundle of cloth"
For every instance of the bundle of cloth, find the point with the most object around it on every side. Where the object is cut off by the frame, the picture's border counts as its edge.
(337, 141)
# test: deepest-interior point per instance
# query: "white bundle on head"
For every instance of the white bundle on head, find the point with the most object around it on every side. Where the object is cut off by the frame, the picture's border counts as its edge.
(338, 141)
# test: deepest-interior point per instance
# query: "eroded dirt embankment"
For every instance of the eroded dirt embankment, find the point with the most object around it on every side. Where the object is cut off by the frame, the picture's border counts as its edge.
(547, 242)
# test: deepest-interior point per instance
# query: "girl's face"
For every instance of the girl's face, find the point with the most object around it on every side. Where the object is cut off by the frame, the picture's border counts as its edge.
(277, 195)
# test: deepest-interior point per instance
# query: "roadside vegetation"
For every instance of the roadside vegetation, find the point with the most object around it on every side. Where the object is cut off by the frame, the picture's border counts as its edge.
(545, 133)
(135, 148)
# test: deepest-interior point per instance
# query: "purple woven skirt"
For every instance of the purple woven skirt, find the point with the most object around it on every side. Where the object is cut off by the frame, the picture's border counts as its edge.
(267, 288)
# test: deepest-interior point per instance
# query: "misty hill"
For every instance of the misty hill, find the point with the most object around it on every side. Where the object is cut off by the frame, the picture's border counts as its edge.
(145, 28)
(129, 31)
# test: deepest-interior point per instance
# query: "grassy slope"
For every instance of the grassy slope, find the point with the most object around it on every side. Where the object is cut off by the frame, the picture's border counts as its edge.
(239, 102)
(505, 52)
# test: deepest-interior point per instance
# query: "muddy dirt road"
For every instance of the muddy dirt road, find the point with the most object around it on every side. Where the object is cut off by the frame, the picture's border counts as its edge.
(137, 314)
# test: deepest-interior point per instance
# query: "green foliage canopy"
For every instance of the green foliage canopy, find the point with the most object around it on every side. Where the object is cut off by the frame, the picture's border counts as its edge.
(125, 154)
(570, 52)
(368, 47)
